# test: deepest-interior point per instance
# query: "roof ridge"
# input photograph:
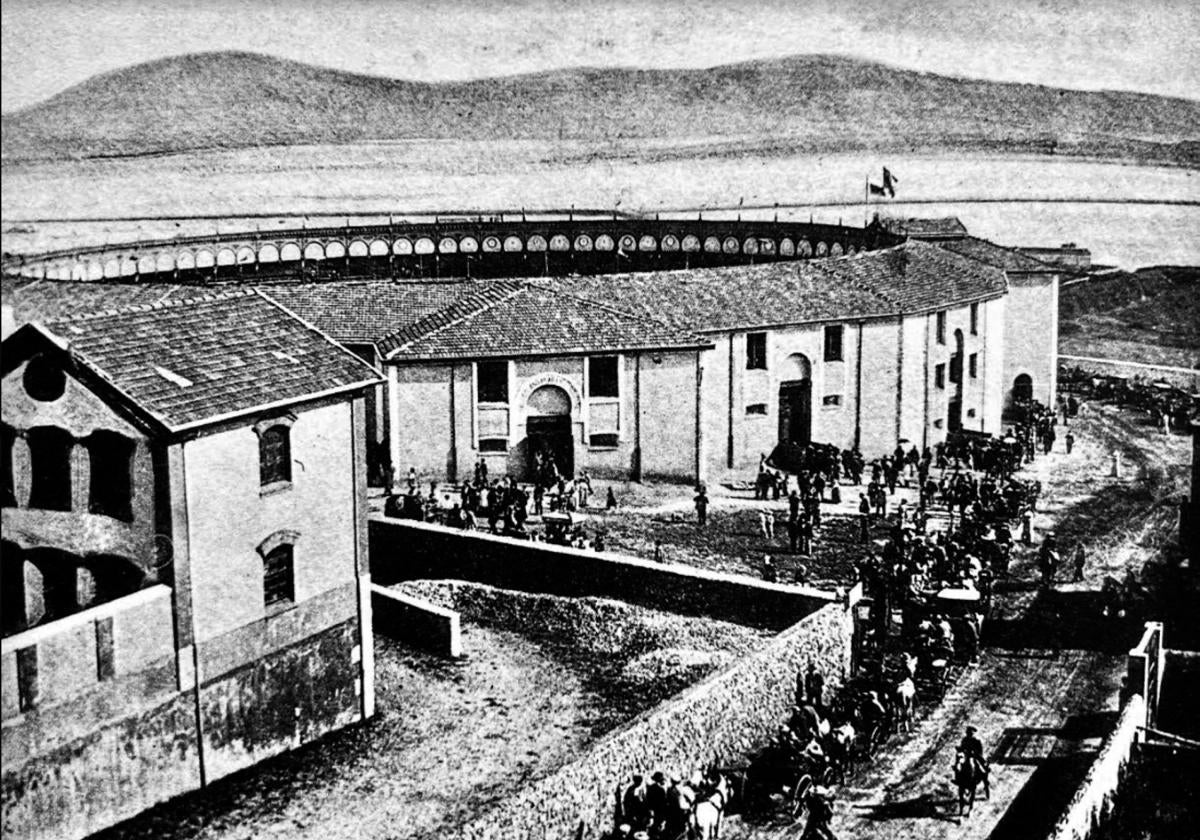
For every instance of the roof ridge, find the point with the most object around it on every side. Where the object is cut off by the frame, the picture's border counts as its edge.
(484, 299)
(614, 310)
(162, 303)
(314, 328)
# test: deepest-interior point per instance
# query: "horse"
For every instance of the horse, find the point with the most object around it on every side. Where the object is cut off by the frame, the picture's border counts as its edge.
(704, 823)
(968, 775)
(841, 749)
(903, 696)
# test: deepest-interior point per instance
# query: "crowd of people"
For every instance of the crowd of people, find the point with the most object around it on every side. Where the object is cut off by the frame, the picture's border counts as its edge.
(503, 505)
(1168, 407)
(799, 760)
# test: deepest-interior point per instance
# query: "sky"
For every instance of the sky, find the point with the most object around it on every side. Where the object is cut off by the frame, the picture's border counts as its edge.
(1140, 45)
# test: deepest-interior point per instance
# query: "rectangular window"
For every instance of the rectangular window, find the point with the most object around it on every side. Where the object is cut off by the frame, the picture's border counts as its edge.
(493, 444)
(974, 319)
(831, 399)
(279, 585)
(941, 328)
(939, 376)
(833, 344)
(602, 377)
(105, 664)
(50, 465)
(603, 440)
(973, 365)
(756, 408)
(27, 678)
(756, 351)
(111, 456)
(493, 381)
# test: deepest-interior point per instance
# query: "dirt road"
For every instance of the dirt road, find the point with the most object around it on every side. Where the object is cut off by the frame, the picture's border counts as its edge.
(1046, 690)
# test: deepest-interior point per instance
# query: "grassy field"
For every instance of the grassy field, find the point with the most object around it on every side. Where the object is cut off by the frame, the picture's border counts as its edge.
(1150, 316)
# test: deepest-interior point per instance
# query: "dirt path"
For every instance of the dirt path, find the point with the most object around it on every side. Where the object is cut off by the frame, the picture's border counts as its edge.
(1045, 692)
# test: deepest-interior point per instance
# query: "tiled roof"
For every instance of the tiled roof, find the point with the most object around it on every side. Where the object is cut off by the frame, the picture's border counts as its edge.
(518, 319)
(919, 276)
(49, 300)
(715, 299)
(946, 227)
(189, 362)
(1009, 259)
(908, 278)
(364, 312)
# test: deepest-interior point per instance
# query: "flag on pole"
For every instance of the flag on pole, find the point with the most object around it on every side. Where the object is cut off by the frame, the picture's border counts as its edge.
(889, 182)
(888, 187)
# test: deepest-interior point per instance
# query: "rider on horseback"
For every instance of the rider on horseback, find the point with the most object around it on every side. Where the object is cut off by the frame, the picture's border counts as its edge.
(971, 749)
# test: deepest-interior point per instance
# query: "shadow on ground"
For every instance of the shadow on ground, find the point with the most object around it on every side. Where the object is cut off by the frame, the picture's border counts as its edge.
(1062, 759)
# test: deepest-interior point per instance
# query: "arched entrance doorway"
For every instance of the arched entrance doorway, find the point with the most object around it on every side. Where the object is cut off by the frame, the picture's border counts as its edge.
(954, 406)
(1022, 391)
(548, 430)
(795, 400)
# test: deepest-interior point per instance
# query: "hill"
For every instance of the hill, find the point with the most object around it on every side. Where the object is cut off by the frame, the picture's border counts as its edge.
(1151, 316)
(803, 103)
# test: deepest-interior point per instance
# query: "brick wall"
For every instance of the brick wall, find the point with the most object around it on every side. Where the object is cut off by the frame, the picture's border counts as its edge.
(721, 719)
(406, 550)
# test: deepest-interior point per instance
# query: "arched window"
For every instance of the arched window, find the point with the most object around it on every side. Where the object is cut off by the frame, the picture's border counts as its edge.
(274, 452)
(279, 571)
(279, 577)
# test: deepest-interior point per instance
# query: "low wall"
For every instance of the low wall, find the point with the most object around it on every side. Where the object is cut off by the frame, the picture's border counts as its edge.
(1096, 795)
(1180, 377)
(406, 550)
(724, 717)
(416, 622)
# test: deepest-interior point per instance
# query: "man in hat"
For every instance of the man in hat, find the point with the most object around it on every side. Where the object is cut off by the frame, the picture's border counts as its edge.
(820, 813)
(972, 750)
(657, 801)
(634, 809)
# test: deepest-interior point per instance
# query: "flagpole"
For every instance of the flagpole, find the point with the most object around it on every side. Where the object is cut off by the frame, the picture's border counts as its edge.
(866, 199)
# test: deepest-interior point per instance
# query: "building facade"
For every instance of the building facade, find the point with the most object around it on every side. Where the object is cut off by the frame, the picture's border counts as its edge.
(185, 571)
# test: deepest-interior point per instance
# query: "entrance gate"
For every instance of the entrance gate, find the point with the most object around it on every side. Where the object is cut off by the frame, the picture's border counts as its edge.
(795, 411)
(548, 430)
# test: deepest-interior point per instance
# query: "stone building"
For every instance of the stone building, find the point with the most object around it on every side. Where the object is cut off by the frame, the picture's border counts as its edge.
(185, 587)
(903, 331)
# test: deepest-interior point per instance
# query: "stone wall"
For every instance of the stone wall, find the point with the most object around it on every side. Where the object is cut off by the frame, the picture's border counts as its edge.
(1096, 796)
(407, 550)
(416, 622)
(722, 719)
(108, 775)
(280, 701)
(85, 776)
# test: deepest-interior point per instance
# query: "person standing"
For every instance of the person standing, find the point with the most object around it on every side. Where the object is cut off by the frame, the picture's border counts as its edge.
(1080, 561)
(864, 517)
(814, 686)
(701, 502)
(766, 523)
(769, 573)
(1070, 442)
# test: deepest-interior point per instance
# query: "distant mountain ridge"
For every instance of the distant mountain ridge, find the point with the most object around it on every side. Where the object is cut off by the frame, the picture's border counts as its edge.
(804, 103)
